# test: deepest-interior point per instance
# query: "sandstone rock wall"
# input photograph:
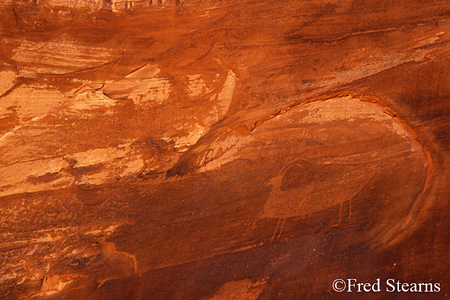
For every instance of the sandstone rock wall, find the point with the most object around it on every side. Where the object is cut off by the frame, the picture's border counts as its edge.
(109, 5)
(222, 149)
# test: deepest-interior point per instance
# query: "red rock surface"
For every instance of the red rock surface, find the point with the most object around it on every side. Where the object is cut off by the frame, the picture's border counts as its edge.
(223, 149)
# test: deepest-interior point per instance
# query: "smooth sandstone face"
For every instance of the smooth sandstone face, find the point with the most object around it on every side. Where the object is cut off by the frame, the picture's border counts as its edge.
(327, 152)
(106, 129)
(332, 158)
(97, 108)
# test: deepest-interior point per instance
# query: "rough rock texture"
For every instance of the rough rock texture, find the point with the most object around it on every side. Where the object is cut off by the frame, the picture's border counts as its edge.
(223, 149)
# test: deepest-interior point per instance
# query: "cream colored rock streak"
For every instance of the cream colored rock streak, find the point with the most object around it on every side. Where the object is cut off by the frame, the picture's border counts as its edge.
(197, 86)
(225, 96)
(59, 56)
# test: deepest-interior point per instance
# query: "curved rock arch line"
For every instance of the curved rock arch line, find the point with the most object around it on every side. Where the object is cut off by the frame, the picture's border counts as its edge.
(400, 230)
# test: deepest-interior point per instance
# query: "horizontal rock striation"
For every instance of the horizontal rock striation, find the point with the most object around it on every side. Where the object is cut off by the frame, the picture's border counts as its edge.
(222, 149)
(108, 5)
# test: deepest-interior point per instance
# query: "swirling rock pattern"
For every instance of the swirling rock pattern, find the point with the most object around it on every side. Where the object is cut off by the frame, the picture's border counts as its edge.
(222, 149)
